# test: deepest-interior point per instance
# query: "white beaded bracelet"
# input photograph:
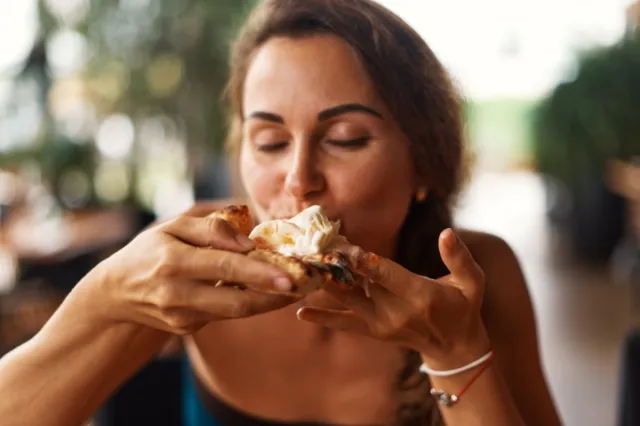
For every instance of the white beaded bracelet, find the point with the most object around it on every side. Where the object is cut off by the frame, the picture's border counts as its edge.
(448, 373)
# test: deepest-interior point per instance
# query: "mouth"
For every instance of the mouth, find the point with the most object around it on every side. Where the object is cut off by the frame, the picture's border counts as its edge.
(331, 218)
(290, 216)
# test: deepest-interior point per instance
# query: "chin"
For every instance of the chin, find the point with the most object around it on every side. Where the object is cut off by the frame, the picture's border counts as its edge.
(368, 242)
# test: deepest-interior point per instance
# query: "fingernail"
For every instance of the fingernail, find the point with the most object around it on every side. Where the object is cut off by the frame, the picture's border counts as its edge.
(244, 241)
(282, 283)
(370, 259)
(450, 238)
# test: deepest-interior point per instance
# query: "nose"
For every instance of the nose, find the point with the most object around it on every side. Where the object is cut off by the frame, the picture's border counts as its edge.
(304, 178)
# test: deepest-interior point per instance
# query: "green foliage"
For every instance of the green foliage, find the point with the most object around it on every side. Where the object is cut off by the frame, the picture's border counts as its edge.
(153, 61)
(500, 130)
(593, 118)
(162, 57)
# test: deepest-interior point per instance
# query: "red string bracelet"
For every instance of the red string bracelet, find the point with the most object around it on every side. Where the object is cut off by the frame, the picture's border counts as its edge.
(450, 399)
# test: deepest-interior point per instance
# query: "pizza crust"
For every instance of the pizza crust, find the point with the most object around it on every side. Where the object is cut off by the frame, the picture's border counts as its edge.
(238, 216)
(308, 273)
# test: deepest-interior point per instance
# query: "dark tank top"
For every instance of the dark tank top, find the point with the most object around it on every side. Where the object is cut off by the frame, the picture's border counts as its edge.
(418, 252)
(225, 415)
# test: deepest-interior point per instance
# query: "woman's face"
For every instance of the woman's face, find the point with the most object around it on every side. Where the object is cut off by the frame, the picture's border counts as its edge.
(316, 132)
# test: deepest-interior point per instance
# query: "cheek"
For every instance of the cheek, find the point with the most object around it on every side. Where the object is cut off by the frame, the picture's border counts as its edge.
(377, 181)
(378, 193)
(258, 181)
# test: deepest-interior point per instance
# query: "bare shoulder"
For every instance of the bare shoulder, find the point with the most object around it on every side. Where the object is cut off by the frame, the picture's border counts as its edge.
(496, 258)
(506, 288)
(509, 318)
(486, 248)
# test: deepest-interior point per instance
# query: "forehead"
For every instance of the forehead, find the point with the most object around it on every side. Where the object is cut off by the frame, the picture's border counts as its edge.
(310, 73)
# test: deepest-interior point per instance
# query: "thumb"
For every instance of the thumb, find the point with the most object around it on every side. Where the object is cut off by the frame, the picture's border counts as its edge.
(209, 231)
(466, 274)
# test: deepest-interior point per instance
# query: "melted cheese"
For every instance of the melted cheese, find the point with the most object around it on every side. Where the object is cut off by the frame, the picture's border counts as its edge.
(309, 232)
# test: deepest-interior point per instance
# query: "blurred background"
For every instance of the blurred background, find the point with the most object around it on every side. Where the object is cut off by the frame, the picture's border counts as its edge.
(110, 117)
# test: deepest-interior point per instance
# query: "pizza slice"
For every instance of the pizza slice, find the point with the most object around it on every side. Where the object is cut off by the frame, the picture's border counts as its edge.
(238, 216)
(303, 246)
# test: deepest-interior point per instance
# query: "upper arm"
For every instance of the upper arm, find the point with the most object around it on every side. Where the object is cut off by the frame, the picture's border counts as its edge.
(510, 321)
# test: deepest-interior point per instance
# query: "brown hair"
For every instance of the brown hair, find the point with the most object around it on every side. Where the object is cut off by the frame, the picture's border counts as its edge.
(418, 92)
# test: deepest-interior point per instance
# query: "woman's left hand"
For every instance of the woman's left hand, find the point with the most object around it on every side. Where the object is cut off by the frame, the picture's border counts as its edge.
(440, 318)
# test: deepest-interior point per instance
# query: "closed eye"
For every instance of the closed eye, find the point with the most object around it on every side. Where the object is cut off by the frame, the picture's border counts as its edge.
(272, 147)
(350, 143)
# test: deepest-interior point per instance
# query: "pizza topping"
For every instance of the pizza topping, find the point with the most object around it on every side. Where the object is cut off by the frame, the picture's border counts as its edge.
(307, 233)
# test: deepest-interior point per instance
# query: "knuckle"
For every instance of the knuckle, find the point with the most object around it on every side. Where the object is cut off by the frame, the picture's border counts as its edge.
(192, 328)
(218, 228)
(175, 322)
(398, 323)
(218, 225)
(163, 269)
(187, 329)
(178, 322)
(377, 275)
(225, 267)
(175, 222)
(166, 296)
(423, 306)
(241, 308)
(383, 274)
(385, 331)
(167, 262)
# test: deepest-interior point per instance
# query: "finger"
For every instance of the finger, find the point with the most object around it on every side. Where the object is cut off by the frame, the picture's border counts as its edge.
(353, 298)
(208, 232)
(383, 297)
(218, 265)
(466, 274)
(238, 216)
(200, 209)
(228, 302)
(388, 274)
(205, 207)
(391, 308)
(181, 321)
(337, 320)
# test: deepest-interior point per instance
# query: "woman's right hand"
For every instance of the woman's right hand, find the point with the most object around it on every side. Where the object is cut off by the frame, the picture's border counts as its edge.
(165, 278)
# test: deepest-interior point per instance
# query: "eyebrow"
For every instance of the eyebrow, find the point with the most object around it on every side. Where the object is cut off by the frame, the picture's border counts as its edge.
(345, 108)
(268, 116)
(322, 115)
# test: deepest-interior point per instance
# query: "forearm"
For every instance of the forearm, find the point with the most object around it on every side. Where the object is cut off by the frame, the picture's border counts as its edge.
(486, 399)
(63, 374)
(487, 402)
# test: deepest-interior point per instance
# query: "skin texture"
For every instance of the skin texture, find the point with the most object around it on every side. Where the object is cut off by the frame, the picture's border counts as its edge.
(338, 362)
(290, 160)
(311, 169)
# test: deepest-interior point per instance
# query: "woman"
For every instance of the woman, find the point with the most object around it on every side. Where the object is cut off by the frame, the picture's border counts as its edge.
(336, 103)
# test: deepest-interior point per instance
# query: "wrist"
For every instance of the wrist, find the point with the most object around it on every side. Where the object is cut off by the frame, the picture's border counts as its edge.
(459, 353)
(94, 298)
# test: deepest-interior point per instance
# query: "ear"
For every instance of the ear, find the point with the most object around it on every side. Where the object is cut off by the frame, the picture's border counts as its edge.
(420, 188)
(421, 193)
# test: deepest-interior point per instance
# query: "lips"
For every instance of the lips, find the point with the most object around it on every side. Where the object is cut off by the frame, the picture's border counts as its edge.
(290, 215)
(283, 213)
